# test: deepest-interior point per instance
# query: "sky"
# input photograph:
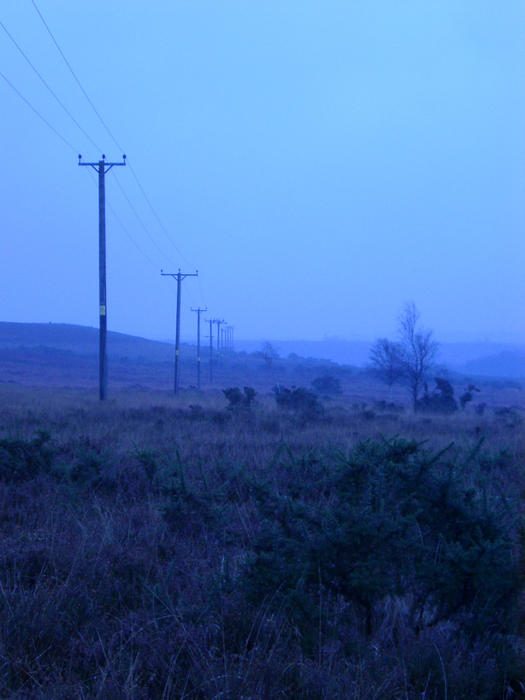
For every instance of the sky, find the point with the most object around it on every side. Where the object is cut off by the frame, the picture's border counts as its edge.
(319, 163)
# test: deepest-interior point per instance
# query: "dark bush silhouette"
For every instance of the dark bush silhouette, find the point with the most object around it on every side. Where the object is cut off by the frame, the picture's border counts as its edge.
(238, 399)
(441, 400)
(25, 459)
(467, 395)
(299, 400)
(327, 385)
(395, 520)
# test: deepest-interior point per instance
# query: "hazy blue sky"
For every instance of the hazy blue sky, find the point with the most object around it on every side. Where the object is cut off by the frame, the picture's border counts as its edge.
(320, 163)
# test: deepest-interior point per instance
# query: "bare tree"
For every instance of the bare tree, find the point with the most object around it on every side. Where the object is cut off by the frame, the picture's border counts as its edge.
(418, 348)
(269, 353)
(386, 360)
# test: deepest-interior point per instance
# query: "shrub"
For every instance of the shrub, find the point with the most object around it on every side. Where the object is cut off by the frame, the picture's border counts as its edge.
(21, 459)
(467, 395)
(327, 385)
(237, 399)
(479, 408)
(395, 521)
(299, 400)
(441, 400)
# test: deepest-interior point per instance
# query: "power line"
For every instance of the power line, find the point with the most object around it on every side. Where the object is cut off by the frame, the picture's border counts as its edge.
(106, 127)
(48, 87)
(126, 230)
(139, 219)
(157, 217)
(50, 126)
(201, 294)
(62, 138)
(108, 130)
(128, 234)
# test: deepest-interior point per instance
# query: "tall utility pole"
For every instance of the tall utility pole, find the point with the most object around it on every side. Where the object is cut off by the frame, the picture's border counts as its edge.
(218, 322)
(102, 167)
(179, 276)
(210, 321)
(198, 311)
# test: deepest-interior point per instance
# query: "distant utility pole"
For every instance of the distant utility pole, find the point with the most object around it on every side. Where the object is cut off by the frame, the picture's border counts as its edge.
(229, 338)
(102, 167)
(179, 276)
(198, 311)
(218, 322)
(210, 321)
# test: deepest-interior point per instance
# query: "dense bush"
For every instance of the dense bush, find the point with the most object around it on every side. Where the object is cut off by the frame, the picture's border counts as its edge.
(393, 521)
(238, 399)
(299, 400)
(440, 400)
(327, 385)
(24, 459)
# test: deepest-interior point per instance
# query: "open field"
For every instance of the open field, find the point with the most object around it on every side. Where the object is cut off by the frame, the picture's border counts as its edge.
(162, 547)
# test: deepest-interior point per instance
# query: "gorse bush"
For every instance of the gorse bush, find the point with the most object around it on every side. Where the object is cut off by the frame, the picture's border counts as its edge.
(440, 400)
(239, 399)
(208, 559)
(327, 385)
(393, 520)
(299, 400)
(25, 459)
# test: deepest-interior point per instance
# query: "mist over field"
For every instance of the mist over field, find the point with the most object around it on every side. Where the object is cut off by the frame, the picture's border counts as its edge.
(319, 165)
(262, 350)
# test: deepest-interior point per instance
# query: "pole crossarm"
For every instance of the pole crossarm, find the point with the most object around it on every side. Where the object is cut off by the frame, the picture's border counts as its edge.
(106, 166)
(180, 274)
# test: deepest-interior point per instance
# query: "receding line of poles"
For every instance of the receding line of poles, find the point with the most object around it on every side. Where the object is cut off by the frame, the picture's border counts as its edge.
(198, 311)
(102, 167)
(218, 322)
(179, 276)
(227, 338)
(210, 321)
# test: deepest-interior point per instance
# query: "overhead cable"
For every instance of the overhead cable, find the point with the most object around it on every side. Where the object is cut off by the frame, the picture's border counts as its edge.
(48, 124)
(108, 130)
(48, 87)
(126, 231)
(106, 127)
(131, 238)
(157, 217)
(139, 219)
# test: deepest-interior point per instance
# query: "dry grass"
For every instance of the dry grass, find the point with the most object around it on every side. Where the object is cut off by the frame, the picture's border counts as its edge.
(121, 565)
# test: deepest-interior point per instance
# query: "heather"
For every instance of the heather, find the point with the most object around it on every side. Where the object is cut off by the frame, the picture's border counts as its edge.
(244, 546)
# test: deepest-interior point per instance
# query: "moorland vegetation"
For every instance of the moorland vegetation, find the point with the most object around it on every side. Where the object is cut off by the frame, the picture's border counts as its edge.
(259, 545)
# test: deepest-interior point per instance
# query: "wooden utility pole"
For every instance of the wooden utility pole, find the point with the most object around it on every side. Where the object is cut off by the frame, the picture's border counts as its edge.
(102, 167)
(229, 338)
(210, 321)
(198, 311)
(218, 322)
(179, 276)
